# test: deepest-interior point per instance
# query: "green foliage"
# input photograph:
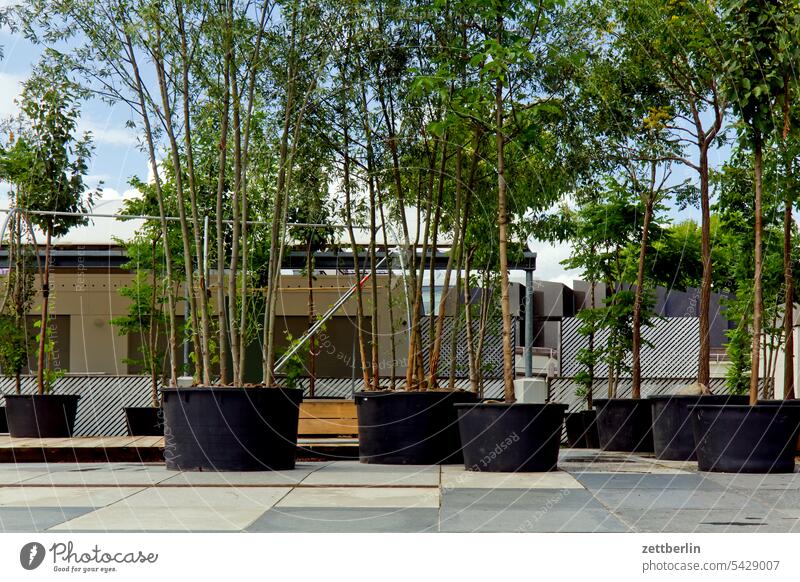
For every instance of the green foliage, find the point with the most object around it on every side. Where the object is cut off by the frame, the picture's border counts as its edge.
(49, 374)
(295, 367)
(15, 346)
(49, 162)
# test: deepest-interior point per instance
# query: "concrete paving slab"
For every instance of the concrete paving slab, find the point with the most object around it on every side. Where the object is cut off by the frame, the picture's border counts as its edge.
(232, 478)
(206, 497)
(561, 521)
(598, 481)
(11, 477)
(347, 497)
(336, 520)
(355, 473)
(750, 481)
(512, 510)
(708, 521)
(36, 519)
(117, 475)
(63, 496)
(457, 477)
(676, 499)
(518, 499)
(121, 517)
(786, 501)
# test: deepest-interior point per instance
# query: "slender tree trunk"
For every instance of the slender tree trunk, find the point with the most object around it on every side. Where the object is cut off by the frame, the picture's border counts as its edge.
(758, 303)
(473, 371)
(44, 332)
(151, 152)
(312, 341)
(186, 239)
(222, 319)
(152, 334)
(439, 327)
(704, 356)
(389, 294)
(373, 229)
(502, 221)
(362, 348)
(788, 318)
(202, 294)
(236, 229)
(268, 355)
(418, 367)
(389, 120)
(590, 393)
(636, 369)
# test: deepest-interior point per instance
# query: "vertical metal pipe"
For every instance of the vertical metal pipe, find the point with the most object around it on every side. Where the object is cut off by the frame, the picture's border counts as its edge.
(186, 318)
(528, 352)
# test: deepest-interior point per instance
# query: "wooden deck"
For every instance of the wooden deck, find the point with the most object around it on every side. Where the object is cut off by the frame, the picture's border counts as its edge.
(140, 449)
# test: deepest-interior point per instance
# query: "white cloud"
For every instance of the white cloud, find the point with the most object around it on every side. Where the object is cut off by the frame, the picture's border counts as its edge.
(10, 88)
(114, 194)
(548, 262)
(107, 134)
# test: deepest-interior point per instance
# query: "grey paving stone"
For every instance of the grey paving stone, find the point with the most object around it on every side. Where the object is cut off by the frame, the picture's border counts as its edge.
(660, 481)
(36, 519)
(676, 499)
(751, 481)
(523, 510)
(709, 521)
(786, 501)
(346, 520)
(520, 521)
(518, 499)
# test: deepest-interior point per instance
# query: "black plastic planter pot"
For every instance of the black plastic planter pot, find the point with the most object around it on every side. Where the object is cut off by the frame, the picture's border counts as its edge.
(3, 421)
(746, 439)
(230, 429)
(673, 435)
(511, 438)
(576, 430)
(41, 416)
(624, 424)
(581, 429)
(792, 402)
(144, 421)
(409, 428)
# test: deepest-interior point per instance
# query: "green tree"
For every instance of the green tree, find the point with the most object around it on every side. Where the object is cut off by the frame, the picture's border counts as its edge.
(54, 180)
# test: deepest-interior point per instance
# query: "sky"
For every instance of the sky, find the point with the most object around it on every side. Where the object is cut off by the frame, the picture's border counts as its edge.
(118, 155)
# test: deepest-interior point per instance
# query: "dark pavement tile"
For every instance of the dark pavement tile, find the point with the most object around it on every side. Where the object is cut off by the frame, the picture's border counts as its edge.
(660, 481)
(673, 499)
(524, 510)
(748, 520)
(36, 519)
(346, 520)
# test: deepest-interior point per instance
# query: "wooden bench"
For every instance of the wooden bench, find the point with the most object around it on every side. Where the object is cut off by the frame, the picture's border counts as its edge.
(328, 417)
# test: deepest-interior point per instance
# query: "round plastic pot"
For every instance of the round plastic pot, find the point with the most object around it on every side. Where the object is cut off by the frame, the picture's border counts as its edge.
(673, 435)
(581, 428)
(409, 428)
(144, 421)
(792, 402)
(41, 416)
(230, 429)
(746, 439)
(592, 436)
(576, 430)
(511, 438)
(624, 424)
